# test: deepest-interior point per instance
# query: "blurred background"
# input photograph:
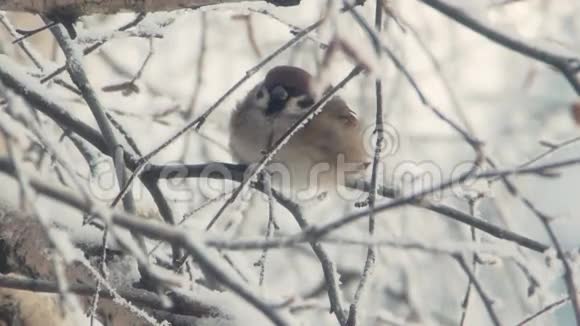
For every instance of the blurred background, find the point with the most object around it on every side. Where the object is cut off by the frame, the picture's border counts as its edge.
(519, 108)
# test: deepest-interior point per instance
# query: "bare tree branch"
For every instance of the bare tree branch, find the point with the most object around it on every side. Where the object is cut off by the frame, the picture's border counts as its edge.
(370, 260)
(60, 115)
(487, 302)
(56, 112)
(84, 7)
(168, 233)
(568, 66)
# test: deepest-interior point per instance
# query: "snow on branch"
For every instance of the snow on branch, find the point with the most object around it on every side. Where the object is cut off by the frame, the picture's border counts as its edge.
(83, 7)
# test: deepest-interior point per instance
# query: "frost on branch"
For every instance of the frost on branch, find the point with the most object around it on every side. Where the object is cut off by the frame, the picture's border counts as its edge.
(85, 7)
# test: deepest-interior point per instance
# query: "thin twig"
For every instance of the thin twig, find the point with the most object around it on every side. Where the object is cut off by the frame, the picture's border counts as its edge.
(93, 47)
(551, 149)
(29, 203)
(22, 45)
(568, 66)
(261, 263)
(105, 275)
(328, 266)
(31, 54)
(28, 33)
(474, 264)
(236, 172)
(26, 87)
(181, 238)
(189, 215)
(157, 230)
(469, 139)
(293, 28)
(487, 302)
(114, 149)
(444, 80)
(116, 296)
(547, 308)
(474, 143)
(130, 140)
(79, 78)
(129, 87)
(200, 71)
(178, 237)
(199, 67)
(571, 284)
(370, 260)
(136, 296)
(198, 122)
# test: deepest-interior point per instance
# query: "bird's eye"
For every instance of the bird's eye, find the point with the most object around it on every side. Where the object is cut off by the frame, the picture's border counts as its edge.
(306, 102)
(260, 94)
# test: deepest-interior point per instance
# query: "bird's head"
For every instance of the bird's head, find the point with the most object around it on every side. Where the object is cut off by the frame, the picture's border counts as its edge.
(285, 89)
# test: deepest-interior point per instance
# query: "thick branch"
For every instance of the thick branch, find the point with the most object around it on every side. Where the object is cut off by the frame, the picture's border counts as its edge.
(164, 232)
(23, 251)
(142, 297)
(86, 7)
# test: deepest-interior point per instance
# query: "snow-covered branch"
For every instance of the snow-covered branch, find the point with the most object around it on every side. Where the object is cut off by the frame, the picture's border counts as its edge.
(84, 7)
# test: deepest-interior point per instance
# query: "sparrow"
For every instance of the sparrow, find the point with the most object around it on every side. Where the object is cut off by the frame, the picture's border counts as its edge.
(326, 152)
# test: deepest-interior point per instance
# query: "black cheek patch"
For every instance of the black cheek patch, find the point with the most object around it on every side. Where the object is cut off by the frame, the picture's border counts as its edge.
(305, 102)
(275, 107)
